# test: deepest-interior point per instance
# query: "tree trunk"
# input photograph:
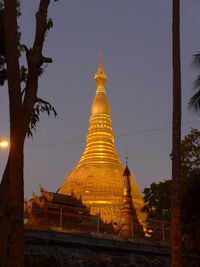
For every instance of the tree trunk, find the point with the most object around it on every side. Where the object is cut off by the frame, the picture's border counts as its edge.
(15, 252)
(21, 108)
(176, 259)
(12, 207)
(4, 215)
(11, 189)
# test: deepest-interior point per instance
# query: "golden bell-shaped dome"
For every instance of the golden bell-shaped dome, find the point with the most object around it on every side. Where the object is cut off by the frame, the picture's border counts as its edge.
(100, 104)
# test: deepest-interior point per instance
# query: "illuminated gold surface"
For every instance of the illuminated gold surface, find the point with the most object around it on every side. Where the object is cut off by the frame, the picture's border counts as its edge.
(97, 178)
(129, 224)
(100, 103)
(3, 143)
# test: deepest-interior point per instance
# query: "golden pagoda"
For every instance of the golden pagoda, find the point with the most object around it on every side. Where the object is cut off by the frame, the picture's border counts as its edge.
(98, 176)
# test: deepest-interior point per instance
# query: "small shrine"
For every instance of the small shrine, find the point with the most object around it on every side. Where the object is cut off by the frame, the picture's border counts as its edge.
(57, 211)
(129, 223)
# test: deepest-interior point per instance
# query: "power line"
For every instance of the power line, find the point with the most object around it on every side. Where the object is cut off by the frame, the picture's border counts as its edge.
(155, 129)
(58, 143)
(116, 136)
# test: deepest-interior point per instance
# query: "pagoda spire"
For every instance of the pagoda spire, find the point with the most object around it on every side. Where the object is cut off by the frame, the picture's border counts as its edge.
(100, 147)
(129, 225)
(100, 76)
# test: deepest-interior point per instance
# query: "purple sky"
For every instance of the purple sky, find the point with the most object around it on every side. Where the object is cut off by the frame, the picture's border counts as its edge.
(135, 38)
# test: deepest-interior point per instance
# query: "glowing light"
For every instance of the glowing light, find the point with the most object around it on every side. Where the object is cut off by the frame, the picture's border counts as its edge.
(3, 143)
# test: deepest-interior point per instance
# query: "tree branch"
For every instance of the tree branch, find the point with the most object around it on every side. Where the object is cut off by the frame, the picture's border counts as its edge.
(35, 60)
(47, 60)
(41, 100)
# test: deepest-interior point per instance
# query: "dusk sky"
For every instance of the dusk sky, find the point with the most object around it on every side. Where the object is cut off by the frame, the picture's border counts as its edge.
(135, 39)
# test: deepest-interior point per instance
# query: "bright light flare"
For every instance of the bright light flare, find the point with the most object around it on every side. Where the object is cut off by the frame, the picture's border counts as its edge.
(3, 143)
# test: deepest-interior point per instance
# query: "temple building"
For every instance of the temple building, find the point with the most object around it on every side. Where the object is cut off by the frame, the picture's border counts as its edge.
(98, 176)
(51, 209)
(57, 211)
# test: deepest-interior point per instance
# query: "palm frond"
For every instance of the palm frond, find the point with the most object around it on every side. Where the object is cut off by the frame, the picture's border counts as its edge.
(194, 102)
(196, 61)
(196, 83)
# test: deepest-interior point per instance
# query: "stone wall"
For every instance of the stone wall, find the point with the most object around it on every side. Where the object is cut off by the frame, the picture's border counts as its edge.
(55, 249)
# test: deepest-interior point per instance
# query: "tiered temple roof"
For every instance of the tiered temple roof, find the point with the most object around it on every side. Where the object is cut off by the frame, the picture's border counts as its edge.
(62, 212)
(56, 210)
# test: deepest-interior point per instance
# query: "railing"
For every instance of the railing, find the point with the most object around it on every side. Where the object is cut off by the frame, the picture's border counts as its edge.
(156, 230)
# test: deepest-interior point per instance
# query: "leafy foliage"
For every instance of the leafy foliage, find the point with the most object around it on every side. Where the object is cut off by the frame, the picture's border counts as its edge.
(41, 106)
(190, 211)
(196, 62)
(190, 154)
(157, 196)
(157, 207)
(49, 25)
(23, 74)
(194, 102)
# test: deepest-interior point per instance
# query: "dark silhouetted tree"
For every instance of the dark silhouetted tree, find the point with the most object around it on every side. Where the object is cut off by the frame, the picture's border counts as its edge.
(176, 259)
(194, 102)
(158, 197)
(24, 109)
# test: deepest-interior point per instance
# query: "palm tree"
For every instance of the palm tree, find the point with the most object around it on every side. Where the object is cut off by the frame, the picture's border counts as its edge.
(194, 102)
(176, 260)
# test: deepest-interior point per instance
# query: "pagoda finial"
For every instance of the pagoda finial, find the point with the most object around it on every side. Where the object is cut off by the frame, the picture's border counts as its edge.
(127, 172)
(101, 60)
(127, 159)
(100, 76)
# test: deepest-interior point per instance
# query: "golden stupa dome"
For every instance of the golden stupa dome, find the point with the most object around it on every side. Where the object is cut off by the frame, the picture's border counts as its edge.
(98, 176)
(100, 104)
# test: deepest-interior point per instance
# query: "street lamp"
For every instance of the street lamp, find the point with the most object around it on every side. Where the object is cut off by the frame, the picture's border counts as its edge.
(4, 143)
